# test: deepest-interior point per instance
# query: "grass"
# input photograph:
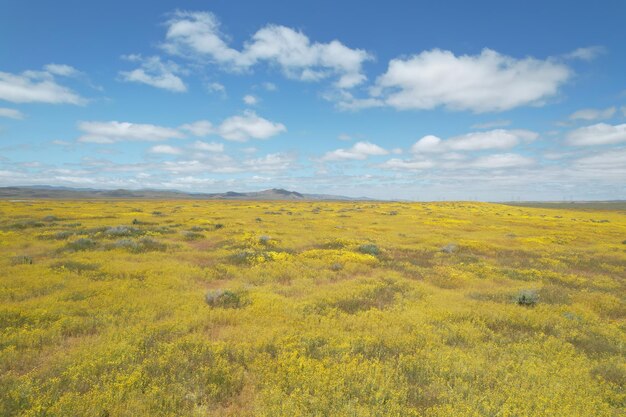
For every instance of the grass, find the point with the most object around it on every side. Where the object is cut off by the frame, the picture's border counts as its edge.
(234, 308)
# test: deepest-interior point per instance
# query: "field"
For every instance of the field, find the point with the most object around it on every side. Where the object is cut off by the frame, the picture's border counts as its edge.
(192, 308)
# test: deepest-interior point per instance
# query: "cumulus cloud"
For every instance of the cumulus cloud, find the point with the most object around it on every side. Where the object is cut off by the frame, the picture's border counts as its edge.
(491, 124)
(586, 54)
(198, 35)
(216, 88)
(37, 87)
(199, 128)
(239, 128)
(249, 126)
(616, 158)
(499, 161)
(11, 113)
(475, 141)
(488, 82)
(166, 150)
(406, 165)
(113, 131)
(250, 100)
(360, 151)
(62, 70)
(154, 72)
(593, 114)
(208, 146)
(270, 162)
(598, 134)
(269, 86)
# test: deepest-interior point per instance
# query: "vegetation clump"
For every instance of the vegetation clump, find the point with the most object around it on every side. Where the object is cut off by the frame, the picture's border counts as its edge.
(81, 244)
(369, 249)
(527, 298)
(450, 248)
(224, 298)
(22, 260)
(145, 244)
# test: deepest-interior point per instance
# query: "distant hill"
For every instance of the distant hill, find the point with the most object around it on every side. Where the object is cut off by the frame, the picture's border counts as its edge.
(52, 192)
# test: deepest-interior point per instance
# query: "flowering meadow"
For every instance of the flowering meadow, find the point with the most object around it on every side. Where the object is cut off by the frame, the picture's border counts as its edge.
(254, 308)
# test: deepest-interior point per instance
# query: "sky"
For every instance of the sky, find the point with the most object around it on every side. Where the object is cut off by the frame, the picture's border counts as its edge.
(447, 100)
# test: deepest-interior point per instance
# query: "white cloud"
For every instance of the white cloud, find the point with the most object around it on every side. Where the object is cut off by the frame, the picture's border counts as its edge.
(11, 113)
(250, 100)
(238, 128)
(269, 86)
(598, 134)
(62, 70)
(36, 87)
(208, 147)
(198, 35)
(586, 54)
(166, 150)
(200, 128)
(615, 158)
(492, 124)
(498, 161)
(344, 136)
(270, 162)
(429, 143)
(406, 165)
(481, 83)
(110, 132)
(249, 126)
(593, 114)
(360, 151)
(475, 141)
(154, 72)
(216, 88)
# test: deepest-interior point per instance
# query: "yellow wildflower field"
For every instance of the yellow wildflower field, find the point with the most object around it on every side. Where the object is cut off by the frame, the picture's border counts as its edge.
(234, 308)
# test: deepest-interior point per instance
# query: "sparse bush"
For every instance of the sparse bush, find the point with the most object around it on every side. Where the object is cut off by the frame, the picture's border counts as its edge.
(450, 248)
(22, 260)
(26, 224)
(218, 226)
(264, 240)
(369, 249)
(145, 244)
(527, 298)
(122, 231)
(81, 244)
(336, 266)
(50, 219)
(192, 235)
(74, 266)
(224, 298)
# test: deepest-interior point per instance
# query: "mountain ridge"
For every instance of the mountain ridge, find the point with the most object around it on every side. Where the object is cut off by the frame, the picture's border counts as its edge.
(61, 192)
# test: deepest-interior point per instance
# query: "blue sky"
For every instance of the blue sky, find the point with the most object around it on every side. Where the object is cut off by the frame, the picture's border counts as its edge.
(483, 100)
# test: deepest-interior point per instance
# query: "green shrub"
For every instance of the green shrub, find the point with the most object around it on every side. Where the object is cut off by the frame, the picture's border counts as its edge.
(192, 235)
(145, 244)
(224, 298)
(450, 248)
(81, 245)
(527, 298)
(369, 249)
(122, 231)
(74, 266)
(21, 260)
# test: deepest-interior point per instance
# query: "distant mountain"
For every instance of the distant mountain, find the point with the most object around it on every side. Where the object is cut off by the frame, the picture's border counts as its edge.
(53, 192)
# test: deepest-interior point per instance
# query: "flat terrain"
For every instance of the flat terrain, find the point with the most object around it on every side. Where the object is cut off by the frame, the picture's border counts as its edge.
(196, 308)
